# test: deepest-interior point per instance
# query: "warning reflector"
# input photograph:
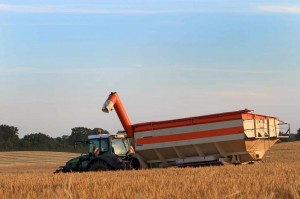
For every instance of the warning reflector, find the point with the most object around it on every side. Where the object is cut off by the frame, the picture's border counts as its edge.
(96, 151)
(132, 149)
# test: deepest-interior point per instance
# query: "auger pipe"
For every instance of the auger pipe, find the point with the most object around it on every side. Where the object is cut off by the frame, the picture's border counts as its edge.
(113, 101)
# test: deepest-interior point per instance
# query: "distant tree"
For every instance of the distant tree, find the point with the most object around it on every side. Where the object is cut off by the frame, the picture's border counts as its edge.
(298, 134)
(38, 141)
(9, 138)
(79, 133)
(42, 142)
(61, 144)
(65, 137)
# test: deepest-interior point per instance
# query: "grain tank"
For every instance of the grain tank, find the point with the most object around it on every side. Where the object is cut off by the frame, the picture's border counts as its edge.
(230, 137)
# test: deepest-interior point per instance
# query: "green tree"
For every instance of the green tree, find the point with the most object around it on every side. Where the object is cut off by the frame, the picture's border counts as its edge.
(38, 141)
(62, 144)
(298, 134)
(9, 138)
(42, 142)
(79, 133)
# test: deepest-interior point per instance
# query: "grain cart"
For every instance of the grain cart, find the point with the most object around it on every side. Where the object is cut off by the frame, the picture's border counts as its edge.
(230, 137)
(106, 152)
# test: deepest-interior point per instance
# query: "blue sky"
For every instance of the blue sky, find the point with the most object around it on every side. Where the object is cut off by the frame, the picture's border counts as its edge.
(59, 60)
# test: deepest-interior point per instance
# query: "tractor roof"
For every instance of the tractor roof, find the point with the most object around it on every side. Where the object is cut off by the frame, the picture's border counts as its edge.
(99, 136)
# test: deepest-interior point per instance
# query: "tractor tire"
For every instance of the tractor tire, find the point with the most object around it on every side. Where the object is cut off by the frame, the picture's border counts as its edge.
(135, 164)
(99, 166)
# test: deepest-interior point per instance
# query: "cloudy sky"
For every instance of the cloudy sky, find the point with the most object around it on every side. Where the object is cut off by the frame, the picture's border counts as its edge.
(59, 60)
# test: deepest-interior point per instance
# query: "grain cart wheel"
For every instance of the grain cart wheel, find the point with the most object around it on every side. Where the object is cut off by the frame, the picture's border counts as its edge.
(99, 166)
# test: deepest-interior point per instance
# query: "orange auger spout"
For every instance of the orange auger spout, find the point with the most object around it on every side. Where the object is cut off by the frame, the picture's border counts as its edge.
(113, 100)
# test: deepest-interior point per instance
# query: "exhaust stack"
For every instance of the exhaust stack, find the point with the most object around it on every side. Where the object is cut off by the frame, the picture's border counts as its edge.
(113, 101)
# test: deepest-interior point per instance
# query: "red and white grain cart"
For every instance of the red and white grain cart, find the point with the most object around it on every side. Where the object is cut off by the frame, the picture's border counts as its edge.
(230, 137)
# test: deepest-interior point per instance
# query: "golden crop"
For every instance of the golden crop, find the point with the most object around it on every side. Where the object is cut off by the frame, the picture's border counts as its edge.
(279, 177)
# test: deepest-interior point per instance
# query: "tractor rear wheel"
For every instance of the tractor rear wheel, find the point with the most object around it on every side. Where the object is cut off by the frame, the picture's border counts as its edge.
(100, 166)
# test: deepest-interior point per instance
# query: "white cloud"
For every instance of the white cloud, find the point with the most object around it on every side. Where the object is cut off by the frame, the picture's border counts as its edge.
(280, 9)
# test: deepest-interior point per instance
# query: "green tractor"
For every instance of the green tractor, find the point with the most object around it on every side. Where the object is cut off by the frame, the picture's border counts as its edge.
(106, 152)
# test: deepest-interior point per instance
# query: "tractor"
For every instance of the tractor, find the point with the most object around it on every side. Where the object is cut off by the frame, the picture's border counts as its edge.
(106, 152)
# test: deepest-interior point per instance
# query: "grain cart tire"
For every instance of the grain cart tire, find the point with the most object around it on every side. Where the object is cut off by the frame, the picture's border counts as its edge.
(99, 166)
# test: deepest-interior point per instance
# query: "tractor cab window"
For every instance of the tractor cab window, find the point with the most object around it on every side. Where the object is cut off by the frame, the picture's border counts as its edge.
(104, 145)
(99, 146)
(120, 146)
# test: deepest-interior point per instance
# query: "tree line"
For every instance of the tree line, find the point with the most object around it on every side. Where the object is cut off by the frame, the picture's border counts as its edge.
(294, 137)
(10, 141)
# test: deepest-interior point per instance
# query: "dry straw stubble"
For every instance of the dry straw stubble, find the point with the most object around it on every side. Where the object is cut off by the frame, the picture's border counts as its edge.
(278, 178)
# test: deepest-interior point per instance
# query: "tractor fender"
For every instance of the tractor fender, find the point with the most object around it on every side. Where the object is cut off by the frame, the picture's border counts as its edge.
(134, 161)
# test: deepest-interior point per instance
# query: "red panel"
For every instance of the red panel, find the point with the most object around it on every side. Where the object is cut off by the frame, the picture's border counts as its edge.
(190, 135)
(220, 117)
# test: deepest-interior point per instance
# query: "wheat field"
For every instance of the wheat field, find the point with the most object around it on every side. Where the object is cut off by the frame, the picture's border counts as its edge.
(33, 161)
(278, 177)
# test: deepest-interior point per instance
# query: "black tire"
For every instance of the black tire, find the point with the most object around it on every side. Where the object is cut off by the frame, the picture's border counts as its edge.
(99, 166)
(135, 164)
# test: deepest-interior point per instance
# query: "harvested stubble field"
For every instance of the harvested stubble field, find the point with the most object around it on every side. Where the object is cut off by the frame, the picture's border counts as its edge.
(277, 178)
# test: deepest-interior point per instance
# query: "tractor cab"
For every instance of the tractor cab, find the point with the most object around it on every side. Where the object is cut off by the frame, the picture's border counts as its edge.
(102, 144)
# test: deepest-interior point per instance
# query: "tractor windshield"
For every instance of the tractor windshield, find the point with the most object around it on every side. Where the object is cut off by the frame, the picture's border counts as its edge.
(120, 146)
